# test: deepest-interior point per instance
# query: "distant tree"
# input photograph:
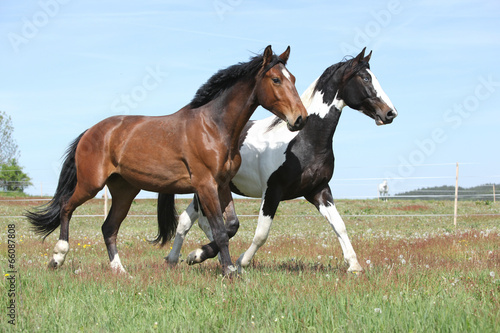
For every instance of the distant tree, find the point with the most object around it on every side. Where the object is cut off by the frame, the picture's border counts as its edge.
(8, 146)
(12, 177)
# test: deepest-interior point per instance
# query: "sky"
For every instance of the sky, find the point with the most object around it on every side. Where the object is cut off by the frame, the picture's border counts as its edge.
(68, 64)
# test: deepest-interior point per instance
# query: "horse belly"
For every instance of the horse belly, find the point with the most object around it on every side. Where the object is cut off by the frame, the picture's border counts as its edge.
(162, 181)
(151, 158)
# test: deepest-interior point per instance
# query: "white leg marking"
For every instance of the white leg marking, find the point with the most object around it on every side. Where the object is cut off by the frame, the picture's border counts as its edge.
(261, 233)
(116, 265)
(333, 216)
(194, 257)
(186, 221)
(60, 251)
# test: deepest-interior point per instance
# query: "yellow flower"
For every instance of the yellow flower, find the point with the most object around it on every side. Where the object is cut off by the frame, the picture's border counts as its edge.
(7, 274)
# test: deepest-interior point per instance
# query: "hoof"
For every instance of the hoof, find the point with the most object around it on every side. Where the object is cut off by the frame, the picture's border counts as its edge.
(195, 257)
(170, 263)
(239, 266)
(231, 271)
(355, 273)
(356, 268)
(120, 272)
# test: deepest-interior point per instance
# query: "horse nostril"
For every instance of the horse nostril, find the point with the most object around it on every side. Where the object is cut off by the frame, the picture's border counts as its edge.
(298, 122)
(391, 114)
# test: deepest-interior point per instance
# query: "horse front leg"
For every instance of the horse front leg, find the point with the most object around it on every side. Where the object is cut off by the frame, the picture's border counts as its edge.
(268, 207)
(323, 200)
(210, 203)
(122, 194)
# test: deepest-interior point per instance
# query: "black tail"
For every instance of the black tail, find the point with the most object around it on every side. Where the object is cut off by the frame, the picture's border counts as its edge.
(45, 219)
(167, 218)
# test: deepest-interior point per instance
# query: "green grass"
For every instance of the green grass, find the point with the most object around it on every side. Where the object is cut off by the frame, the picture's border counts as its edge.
(421, 274)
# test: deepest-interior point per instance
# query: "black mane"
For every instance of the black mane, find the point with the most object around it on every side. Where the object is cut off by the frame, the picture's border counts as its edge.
(226, 78)
(324, 79)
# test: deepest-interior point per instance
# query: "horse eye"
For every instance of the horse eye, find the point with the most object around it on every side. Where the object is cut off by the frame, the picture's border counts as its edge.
(366, 79)
(276, 80)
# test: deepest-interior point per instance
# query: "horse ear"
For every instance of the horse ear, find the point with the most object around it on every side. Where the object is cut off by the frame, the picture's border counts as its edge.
(284, 56)
(268, 56)
(367, 58)
(359, 57)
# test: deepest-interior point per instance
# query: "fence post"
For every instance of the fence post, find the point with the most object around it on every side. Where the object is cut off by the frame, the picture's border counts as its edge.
(456, 198)
(494, 196)
(105, 202)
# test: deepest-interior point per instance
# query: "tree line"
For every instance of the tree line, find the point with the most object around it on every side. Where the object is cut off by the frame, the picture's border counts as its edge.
(12, 176)
(480, 192)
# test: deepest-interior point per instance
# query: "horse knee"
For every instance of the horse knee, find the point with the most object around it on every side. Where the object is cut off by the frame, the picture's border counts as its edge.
(221, 238)
(232, 227)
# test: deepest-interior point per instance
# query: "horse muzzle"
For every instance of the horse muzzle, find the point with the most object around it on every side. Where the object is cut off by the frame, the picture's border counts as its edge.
(387, 118)
(299, 123)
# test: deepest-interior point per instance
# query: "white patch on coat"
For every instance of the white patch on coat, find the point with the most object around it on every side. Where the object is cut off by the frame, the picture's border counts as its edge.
(313, 101)
(262, 153)
(307, 95)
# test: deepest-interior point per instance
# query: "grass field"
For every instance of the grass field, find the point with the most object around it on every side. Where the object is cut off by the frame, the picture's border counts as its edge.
(421, 273)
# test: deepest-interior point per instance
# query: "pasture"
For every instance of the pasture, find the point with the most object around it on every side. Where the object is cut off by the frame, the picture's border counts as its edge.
(421, 273)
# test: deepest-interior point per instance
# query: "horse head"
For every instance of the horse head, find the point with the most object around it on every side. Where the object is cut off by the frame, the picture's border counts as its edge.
(362, 91)
(276, 90)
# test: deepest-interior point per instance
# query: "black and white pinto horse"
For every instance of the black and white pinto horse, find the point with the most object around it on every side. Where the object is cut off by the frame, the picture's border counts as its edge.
(280, 165)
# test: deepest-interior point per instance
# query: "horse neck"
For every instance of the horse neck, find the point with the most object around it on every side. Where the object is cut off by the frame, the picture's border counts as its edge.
(324, 114)
(234, 108)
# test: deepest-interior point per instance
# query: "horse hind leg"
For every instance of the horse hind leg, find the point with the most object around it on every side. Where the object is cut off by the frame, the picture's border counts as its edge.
(122, 194)
(61, 249)
(186, 220)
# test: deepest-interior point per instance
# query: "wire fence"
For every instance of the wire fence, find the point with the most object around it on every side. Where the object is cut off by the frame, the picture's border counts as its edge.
(413, 189)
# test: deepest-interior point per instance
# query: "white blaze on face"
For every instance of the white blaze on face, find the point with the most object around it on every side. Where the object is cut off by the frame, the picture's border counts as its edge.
(380, 92)
(286, 73)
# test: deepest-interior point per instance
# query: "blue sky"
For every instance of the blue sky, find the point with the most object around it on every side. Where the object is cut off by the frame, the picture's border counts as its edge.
(68, 64)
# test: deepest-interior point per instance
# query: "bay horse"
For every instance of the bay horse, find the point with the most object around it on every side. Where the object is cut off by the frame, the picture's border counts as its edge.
(194, 150)
(279, 165)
